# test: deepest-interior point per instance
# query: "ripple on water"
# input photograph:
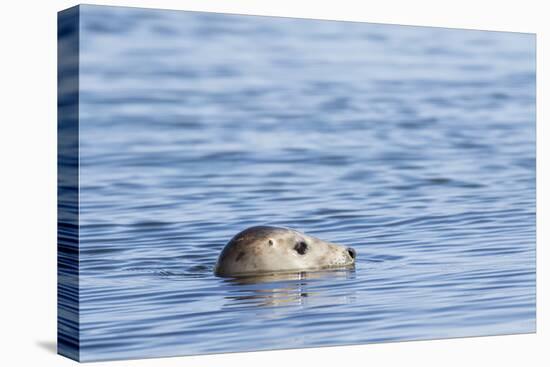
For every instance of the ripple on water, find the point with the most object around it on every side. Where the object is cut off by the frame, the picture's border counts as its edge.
(425, 165)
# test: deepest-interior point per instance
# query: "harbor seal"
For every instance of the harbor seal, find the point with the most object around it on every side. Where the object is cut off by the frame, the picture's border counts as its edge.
(266, 249)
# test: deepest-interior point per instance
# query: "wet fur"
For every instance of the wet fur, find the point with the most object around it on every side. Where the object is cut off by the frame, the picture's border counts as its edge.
(264, 249)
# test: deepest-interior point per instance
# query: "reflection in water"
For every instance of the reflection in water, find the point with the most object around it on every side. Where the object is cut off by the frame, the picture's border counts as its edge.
(283, 289)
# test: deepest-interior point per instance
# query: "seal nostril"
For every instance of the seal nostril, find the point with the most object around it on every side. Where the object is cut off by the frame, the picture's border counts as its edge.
(351, 252)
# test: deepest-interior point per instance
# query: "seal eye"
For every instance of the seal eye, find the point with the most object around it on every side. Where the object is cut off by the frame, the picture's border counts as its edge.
(301, 247)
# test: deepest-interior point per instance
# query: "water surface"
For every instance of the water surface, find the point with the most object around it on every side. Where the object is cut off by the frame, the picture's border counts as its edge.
(415, 146)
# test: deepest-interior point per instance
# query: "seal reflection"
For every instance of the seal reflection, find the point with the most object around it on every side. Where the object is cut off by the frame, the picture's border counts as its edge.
(290, 289)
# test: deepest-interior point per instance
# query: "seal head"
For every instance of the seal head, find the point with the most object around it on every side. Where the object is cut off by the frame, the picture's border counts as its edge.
(266, 249)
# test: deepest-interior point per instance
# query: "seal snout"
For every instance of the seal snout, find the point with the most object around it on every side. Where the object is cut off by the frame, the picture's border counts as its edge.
(351, 252)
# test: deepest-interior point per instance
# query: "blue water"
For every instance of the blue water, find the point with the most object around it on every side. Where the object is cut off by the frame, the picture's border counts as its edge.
(415, 146)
